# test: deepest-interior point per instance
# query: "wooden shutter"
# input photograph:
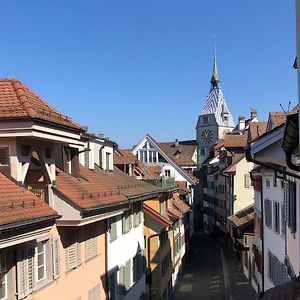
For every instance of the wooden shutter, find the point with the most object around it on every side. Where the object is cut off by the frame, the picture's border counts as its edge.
(123, 223)
(128, 268)
(22, 274)
(121, 285)
(129, 219)
(26, 272)
(73, 250)
(113, 229)
(136, 268)
(292, 206)
(56, 257)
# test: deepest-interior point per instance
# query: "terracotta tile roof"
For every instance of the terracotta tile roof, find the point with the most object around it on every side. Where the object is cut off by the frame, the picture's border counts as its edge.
(276, 119)
(243, 217)
(89, 190)
(180, 205)
(154, 214)
(256, 129)
(122, 157)
(17, 101)
(182, 153)
(174, 214)
(18, 204)
(147, 172)
(235, 140)
(128, 186)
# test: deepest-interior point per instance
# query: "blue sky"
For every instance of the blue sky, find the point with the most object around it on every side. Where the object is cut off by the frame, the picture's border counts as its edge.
(130, 67)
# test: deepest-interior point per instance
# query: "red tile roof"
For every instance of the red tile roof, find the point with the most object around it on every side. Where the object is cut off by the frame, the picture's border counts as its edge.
(181, 153)
(235, 140)
(17, 204)
(154, 214)
(256, 129)
(89, 190)
(128, 186)
(123, 157)
(17, 101)
(180, 205)
(276, 119)
(243, 218)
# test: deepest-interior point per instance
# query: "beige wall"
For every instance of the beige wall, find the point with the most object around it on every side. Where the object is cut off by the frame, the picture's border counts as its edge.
(244, 196)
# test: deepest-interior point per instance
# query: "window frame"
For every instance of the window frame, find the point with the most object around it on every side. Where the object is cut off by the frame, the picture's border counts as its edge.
(3, 269)
(36, 257)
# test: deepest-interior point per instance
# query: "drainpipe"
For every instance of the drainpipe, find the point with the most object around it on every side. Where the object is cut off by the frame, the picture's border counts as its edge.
(106, 260)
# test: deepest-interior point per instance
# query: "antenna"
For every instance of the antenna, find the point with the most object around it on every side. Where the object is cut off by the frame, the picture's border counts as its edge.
(215, 45)
(282, 108)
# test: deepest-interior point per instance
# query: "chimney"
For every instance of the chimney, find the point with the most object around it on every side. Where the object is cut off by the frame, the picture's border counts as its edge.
(241, 122)
(176, 143)
(253, 113)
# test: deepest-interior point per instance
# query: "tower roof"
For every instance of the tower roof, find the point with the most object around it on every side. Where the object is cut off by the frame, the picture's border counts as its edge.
(215, 103)
(215, 80)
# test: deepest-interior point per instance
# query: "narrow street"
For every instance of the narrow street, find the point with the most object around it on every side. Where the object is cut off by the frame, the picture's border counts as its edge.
(213, 273)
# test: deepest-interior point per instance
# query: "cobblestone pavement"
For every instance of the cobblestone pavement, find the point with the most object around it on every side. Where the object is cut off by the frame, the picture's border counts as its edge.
(213, 273)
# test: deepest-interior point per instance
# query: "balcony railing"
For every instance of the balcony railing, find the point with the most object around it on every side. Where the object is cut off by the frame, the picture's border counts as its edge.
(163, 182)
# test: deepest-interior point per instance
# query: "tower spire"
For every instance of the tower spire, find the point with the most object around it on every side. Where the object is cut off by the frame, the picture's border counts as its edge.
(215, 80)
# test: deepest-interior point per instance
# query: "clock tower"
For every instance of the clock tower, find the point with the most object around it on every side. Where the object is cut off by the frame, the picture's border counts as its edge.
(214, 120)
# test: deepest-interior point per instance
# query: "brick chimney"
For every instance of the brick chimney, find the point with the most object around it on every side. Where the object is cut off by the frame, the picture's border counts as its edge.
(241, 122)
(253, 113)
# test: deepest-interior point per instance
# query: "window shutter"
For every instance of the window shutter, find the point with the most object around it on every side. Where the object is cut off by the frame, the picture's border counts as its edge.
(128, 275)
(123, 223)
(22, 274)
(121, 285)
(31, 269)
(129, 219)
(56, 258)
(73, 250)
(113, 229)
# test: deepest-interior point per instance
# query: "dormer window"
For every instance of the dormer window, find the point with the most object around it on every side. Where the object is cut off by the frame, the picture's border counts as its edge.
(107, 162)
(48, 153)
(4, 156)
(147, 154)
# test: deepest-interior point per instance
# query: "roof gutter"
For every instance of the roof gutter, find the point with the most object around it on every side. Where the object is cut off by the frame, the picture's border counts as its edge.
(144, 196)
(105, 208)
(275, 167)
(25, 223)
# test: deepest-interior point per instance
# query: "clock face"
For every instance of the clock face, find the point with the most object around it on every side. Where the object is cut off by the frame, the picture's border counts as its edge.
(206, 136)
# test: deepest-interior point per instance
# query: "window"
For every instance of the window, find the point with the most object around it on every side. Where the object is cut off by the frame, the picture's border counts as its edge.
(292, 206)
(40, 260)
(137, 213)
(91, 241)
(167, 173)
(73, 248)
(165, 263)
(152, 156)
(274, 180)
(143, 156)
(202, 151)
(276, 217)
(25, 150)
(113, 229)
(205, 119)
(138, 266)
(283, 220)
(126, 221)
(3, 276)
(4, 156)
(107, 161)
(47, 152)
(268, 183)
(247, 181)
(33, 266)
(276, 270)
(268, 213)
(177, 245)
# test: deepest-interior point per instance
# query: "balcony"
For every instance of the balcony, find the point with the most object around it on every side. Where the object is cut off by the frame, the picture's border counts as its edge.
(166, 183)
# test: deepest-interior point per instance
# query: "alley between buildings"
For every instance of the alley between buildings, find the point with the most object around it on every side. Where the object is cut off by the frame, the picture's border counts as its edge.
(213, 273)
